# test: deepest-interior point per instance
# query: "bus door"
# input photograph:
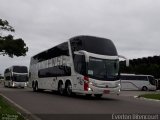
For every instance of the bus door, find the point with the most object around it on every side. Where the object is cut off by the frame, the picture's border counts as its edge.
(80, 69)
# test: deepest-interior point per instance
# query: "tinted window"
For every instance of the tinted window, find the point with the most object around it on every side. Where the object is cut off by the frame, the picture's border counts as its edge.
(20, 69)
(142, 78)
(133, 77)
(6, 71)
(55, 71)
(130, 77)
(94, 45)
(56, 51)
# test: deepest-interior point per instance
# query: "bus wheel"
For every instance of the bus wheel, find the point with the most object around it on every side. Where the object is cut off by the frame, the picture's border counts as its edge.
(60, 88)
(4, 84)
(69, 89)
(35, 86)
(144, 88)
(88, 95)
(98, 95)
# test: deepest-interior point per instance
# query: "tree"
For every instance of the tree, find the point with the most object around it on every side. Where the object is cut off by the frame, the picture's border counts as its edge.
(8, 45)
(148, 66)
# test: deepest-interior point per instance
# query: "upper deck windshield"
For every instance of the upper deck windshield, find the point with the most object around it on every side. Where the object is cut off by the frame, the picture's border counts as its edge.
(103, 69)
(95, 45)
(20, 69)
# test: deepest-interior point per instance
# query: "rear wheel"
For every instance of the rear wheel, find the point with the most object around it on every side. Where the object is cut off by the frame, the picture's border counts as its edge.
(60, 88)
(69, 89)
(35, 86)
(144, 88)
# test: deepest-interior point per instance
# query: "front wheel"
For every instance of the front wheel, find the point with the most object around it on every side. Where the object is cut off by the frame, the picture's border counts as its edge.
(88, 95)
(98, 95)
(69, 89)
(60, 88)
(35, 86)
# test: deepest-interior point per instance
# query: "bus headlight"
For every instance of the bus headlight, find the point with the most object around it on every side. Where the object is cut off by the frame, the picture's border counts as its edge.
(89, 89)
(118, 84)
(25, 84)
(13, 84)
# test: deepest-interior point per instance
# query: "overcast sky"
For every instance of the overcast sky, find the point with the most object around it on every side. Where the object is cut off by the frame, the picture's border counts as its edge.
(133, 25)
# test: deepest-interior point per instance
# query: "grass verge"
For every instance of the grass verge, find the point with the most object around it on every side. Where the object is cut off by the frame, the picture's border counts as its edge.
(155, 96)
(7, 112)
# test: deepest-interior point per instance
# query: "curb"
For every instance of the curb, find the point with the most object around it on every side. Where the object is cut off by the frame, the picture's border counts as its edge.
(25, 113)
(142, 98)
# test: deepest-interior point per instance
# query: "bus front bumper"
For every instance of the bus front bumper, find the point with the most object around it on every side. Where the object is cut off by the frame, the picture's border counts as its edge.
(97, 90)
(19, 84)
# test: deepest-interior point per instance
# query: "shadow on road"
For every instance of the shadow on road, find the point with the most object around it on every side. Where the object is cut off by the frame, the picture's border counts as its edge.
(75, 96)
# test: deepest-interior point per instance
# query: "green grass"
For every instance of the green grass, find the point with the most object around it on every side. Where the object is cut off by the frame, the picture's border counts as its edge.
(151, 96)
(8, 112)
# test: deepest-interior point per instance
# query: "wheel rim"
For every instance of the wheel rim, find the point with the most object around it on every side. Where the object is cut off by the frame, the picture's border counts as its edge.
(60, 89)
(36, 87)
(145, 88)
(69, 89)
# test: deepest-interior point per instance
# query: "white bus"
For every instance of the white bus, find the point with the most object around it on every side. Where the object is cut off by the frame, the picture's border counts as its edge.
(137, 82)
(84, 64)
(1, 78)
(16, 76)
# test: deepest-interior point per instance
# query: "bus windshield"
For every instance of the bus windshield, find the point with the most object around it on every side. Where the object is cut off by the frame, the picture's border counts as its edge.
(20, 78)
(103, 69)
(152, 80)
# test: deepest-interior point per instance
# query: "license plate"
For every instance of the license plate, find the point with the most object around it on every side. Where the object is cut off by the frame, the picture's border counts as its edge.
(106, 91)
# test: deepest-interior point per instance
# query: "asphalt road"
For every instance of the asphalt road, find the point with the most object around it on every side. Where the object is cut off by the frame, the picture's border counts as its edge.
(49, 105)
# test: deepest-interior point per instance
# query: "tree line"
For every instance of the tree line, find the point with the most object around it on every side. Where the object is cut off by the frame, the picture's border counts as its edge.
(146, 65)
(8, 44)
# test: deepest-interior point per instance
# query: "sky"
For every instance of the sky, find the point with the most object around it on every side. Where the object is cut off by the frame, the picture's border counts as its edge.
(133, 25)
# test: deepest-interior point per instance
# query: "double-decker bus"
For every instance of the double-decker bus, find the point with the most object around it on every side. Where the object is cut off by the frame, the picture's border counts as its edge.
(1, 78)
(16, 76)
(84, 64)
(137, 82)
